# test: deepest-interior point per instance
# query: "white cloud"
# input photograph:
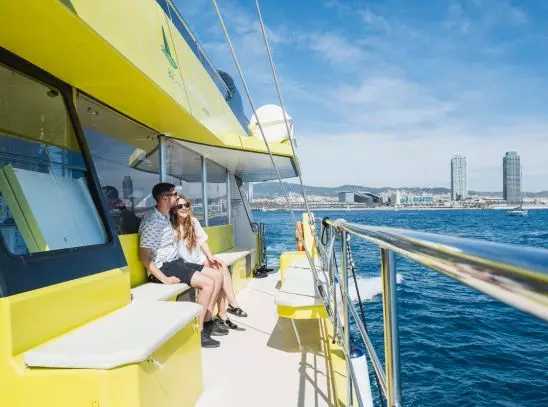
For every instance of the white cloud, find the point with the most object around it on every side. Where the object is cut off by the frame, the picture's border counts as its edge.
(390, 159)
(375, 21)
(336, 49)
(393, 99)
(386, 101)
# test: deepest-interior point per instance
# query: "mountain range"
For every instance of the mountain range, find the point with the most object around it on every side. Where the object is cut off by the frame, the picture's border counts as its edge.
(273, 190)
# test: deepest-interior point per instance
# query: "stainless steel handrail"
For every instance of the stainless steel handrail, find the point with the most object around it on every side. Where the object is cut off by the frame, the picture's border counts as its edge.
(512, 274)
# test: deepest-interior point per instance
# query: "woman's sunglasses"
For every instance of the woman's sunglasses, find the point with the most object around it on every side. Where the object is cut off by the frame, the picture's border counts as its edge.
(181, 206)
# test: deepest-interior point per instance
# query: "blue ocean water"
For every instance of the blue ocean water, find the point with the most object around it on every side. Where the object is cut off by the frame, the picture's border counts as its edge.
(457, 347)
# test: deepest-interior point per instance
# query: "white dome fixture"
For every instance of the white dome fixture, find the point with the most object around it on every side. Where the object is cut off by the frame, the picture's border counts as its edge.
(273, 124)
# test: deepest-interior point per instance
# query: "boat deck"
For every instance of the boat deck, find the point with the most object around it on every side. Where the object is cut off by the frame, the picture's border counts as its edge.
(263, 364)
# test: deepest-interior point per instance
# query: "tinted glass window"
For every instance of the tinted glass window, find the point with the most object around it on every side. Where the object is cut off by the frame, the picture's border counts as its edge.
(45, 202)
(125, 155)
(184, 168)
(217, 194)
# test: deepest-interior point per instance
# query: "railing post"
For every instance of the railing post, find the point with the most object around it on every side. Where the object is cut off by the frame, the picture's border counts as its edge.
(162, 142)
(391, 334)
(204, 191)
(346, 311)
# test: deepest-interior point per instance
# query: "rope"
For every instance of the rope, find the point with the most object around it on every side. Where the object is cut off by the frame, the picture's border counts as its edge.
(248, 94)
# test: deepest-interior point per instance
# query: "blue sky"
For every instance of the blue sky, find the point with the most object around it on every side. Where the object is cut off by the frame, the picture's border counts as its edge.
(382, 93)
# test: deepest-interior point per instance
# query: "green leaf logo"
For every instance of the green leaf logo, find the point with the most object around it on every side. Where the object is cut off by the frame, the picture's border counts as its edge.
(167, 51)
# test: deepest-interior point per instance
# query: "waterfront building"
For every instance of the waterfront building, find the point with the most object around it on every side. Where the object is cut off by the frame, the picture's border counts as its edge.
(511, 177)
(395, 198)
(459, 178)
(355, 197)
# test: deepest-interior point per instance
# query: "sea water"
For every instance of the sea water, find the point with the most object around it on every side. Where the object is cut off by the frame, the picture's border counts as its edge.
(458, 347)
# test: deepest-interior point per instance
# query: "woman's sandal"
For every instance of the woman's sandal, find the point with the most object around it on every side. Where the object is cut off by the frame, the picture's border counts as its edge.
(228, 322)
(236, 311)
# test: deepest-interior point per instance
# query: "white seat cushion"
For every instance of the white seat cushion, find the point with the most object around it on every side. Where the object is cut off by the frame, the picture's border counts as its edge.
(157, 291)
(298, 289)
(128, 335)
(234, 254)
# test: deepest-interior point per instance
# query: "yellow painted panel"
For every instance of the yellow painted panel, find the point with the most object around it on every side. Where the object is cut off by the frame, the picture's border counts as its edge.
(17, 213)
(123, 65)
(339, 369)
(171, 377)
(130, 246)
(18, 196)
(239, 277)
(309, 312)
(36, 316)
(220, 238)
(287, 258)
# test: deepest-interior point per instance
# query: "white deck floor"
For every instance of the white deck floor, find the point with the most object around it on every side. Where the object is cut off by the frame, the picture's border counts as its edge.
(263, 366)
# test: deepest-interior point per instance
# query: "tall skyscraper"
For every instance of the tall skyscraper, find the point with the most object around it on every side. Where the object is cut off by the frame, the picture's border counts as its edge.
(511, 177)
(459, 179)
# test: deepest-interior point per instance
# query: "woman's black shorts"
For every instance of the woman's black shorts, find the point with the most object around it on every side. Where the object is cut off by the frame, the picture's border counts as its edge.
(181, 269)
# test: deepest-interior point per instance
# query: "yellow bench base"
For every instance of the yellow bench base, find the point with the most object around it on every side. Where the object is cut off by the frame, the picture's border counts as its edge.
(172, 376)
(310, 312)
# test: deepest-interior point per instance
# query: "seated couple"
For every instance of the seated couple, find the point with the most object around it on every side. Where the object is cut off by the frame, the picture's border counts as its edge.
(173, 249)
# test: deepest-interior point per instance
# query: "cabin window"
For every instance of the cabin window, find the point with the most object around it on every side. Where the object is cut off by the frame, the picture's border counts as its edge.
(217, 194)
(184, 170)
(126, 159)
(45, 202)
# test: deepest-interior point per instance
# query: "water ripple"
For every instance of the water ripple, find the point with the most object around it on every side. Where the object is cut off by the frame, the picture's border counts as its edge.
(457, 347)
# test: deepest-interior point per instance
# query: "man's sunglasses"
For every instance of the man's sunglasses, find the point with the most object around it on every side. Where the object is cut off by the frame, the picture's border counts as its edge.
(172, 194)
(181, 206)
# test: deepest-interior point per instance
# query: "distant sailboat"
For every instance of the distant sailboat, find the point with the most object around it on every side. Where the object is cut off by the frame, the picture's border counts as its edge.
(519, 211)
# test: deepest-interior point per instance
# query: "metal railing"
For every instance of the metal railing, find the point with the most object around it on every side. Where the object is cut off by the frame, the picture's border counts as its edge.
(515, 275)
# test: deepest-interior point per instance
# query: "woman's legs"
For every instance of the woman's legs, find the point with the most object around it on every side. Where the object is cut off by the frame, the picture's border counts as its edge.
(217, 278)
(206, 285)
(228, 290)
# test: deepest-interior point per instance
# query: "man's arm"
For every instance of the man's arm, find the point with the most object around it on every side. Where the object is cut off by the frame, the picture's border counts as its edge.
(144, 256)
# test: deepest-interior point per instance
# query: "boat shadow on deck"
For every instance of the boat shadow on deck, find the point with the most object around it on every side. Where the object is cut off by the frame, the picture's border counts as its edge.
(315, 367)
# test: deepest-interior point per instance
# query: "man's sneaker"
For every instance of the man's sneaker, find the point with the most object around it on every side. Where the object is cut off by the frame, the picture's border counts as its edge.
(209, 342)
(214, 328)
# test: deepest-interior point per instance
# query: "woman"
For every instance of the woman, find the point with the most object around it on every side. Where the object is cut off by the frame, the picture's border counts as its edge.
(193, 248)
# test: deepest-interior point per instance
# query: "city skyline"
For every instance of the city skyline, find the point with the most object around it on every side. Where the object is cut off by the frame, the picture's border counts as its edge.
(372, 86)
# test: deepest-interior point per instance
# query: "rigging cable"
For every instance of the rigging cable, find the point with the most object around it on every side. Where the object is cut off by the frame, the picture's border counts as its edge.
(286, 121)
(318, 282)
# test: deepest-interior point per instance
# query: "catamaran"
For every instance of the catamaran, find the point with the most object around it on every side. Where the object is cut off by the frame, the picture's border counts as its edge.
(99, 101)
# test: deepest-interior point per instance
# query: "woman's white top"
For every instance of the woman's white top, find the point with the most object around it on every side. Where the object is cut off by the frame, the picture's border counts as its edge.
(195, 254)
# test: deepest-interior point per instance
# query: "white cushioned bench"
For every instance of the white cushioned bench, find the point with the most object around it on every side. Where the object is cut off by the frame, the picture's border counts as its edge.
(128, 335)
(299, 289)
(231, 255)
(157, 291)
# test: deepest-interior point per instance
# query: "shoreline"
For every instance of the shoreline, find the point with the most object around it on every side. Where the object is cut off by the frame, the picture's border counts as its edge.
(302, 209)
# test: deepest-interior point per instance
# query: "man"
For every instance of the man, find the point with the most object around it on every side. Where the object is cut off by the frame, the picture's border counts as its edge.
(158, 253)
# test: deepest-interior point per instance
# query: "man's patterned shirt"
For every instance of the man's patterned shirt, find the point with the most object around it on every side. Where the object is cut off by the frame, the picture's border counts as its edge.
(158, 235)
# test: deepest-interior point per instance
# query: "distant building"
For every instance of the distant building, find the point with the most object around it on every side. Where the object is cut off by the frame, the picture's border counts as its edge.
(375, 198)
(356, 197)
(346, 196)
(511, 178)
(395, 198)
(127, 190)
(459, 178)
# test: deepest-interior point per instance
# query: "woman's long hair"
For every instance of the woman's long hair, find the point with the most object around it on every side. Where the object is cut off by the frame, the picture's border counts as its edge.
(189, 233)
